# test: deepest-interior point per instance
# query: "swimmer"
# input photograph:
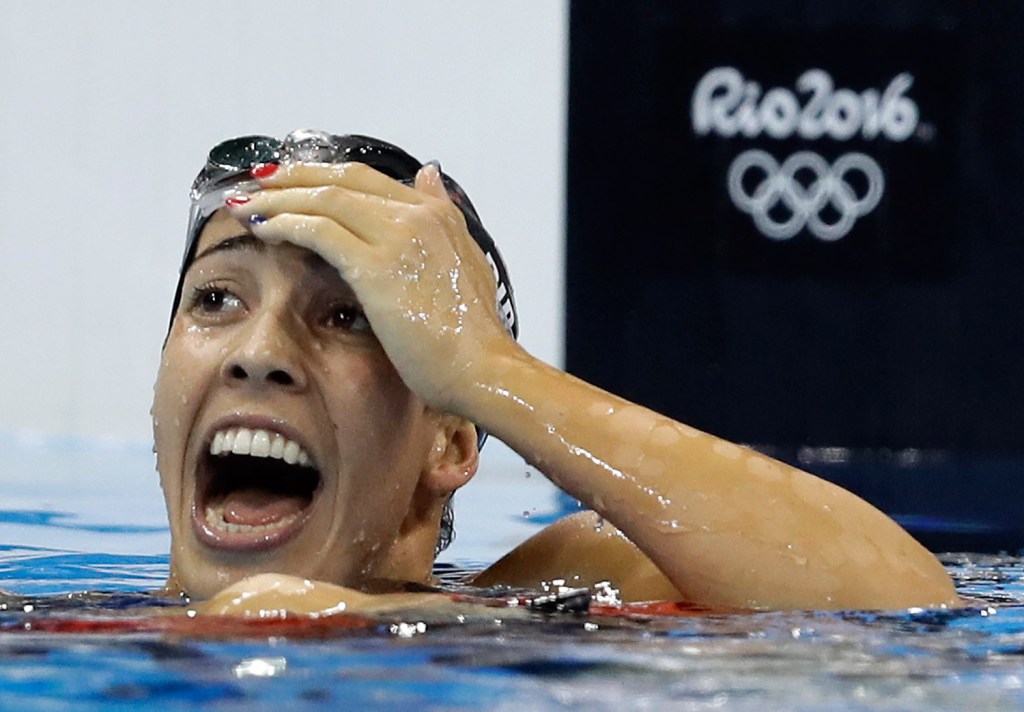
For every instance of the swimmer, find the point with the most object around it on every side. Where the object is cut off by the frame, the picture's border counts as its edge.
(343, 337)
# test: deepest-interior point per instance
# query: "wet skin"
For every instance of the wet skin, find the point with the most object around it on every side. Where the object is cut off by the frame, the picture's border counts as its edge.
(717, 523)
(270, 337)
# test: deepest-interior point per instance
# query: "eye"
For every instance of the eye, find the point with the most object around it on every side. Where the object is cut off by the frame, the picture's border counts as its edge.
(348, 317)
(212, 299)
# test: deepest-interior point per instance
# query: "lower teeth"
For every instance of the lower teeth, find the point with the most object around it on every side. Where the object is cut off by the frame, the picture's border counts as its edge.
(215, 518)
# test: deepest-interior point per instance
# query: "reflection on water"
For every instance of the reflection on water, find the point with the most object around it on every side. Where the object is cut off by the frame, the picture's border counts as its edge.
(926, 660)
(46, 572)
(60, 536)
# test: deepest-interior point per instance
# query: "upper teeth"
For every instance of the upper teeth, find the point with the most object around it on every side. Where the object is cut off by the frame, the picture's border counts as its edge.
(259, 443)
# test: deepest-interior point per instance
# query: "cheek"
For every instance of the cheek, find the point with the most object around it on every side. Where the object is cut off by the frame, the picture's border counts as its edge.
(170, 394)
(165, 434)
(189, 360)
(162, 389)
(175, 394)
(369, 402)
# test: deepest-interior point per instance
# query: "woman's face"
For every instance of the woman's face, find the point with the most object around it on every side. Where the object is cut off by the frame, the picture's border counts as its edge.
(285, 439)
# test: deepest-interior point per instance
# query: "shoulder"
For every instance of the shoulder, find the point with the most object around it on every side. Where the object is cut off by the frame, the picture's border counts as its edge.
(582, 550)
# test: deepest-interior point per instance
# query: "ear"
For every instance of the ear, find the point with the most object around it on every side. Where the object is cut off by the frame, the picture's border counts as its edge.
(454, 457)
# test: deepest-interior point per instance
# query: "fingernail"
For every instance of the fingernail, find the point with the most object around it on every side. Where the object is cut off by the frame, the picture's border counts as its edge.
(263, 170)
(435, 163)
(257, 219)
(236, 200)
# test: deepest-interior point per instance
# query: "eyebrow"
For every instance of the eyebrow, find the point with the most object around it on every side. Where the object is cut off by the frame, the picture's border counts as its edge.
(248, 241)
(245, 241)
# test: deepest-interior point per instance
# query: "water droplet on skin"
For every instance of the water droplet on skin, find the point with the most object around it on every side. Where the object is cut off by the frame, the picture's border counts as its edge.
(727, 449)
(664, 435)
(628, 456)
(671, 526)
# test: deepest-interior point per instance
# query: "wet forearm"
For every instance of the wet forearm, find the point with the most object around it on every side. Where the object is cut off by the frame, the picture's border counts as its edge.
(727, 525)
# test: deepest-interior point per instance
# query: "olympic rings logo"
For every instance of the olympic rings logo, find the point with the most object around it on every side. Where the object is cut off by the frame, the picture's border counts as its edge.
(804, 201)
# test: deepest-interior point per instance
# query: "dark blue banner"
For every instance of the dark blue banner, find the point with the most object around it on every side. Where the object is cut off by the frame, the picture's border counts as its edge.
(798, 226)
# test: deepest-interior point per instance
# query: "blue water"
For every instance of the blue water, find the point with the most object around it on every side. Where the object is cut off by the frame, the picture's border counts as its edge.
(82, 515)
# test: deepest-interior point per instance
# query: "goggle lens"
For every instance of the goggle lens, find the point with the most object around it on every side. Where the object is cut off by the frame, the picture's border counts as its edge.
(243, 153)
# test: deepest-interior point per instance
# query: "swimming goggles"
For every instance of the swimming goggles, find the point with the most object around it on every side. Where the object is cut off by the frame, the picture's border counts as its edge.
(229, 162)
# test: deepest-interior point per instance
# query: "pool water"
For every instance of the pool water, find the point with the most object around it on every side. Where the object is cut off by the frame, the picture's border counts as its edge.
(82, 515)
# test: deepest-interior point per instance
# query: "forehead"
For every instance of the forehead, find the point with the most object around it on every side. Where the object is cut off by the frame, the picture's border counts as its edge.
(219, 227)
(222, 227)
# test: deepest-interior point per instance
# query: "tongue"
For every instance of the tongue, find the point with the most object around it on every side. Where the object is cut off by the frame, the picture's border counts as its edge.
(255, 507)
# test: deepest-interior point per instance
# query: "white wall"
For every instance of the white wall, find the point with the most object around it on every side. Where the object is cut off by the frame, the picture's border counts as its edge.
(107, 109)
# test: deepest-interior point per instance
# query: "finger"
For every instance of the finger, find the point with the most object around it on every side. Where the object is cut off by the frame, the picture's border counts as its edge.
(365, 216)
(336, 245)
(353, 175)
(429, 181)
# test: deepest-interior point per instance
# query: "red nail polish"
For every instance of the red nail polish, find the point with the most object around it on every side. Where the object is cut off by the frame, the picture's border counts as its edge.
(263, 170)
(235, 200)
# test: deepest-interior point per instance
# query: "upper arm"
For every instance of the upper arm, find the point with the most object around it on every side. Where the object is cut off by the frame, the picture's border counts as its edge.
(581, 550)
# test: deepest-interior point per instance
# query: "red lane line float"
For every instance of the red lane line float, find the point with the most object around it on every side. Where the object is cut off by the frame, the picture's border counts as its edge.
(274, 623)
(198, 626)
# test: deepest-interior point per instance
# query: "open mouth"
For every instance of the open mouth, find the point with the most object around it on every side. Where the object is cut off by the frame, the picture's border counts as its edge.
(255, 489)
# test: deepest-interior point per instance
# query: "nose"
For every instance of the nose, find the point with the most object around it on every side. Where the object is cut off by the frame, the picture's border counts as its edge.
(266, 355)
